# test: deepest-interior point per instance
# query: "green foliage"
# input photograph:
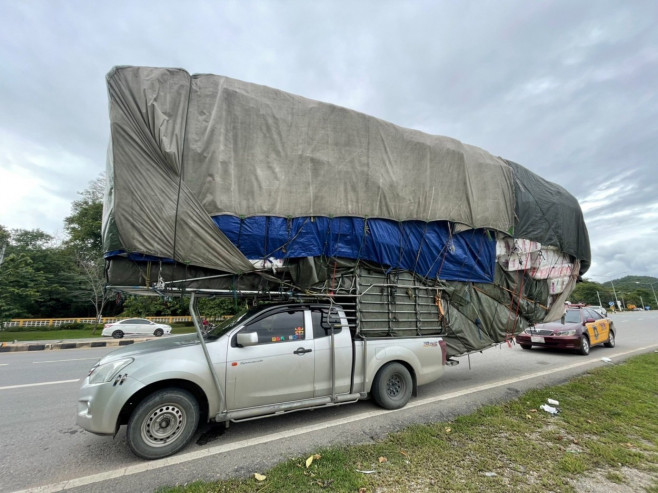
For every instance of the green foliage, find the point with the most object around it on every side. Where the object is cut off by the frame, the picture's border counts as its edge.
(84, 226)
(153, 306)
(586, 292)
(20, 286)
(218, 307)
(73, 326)
(628, 290)
(37, 277)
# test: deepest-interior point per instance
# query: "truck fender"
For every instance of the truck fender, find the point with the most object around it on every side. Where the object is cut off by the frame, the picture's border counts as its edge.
(383, 356)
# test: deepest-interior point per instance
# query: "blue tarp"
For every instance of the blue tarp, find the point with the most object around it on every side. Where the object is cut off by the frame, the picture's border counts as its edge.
(426, 248)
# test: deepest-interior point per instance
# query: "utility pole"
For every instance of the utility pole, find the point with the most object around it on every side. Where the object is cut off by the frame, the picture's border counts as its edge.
(638, 282)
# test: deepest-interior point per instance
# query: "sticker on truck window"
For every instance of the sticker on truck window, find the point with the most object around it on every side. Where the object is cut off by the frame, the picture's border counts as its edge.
(287, 338)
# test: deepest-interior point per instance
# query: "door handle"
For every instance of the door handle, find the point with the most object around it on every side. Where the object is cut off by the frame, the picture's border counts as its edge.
(301, 351)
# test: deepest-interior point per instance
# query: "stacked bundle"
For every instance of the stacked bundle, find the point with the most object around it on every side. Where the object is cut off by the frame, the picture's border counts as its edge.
(215, 183)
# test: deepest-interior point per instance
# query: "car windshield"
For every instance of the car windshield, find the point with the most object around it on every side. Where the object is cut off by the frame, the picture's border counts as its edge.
(572, 316)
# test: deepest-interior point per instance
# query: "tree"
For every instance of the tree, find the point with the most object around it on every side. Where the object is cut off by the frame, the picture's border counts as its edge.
(34, 275)
(20, 286)
(84, 224)
(586, 292)
(85, 243)
(4, 240)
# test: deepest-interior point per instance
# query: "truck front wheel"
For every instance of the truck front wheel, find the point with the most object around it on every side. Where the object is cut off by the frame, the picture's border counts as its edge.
(163, 423)
(392, 386)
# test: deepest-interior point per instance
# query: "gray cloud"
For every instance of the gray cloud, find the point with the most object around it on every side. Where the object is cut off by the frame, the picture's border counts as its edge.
(564, 88)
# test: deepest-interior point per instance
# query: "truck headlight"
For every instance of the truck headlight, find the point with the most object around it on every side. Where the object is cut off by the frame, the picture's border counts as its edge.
(107, 371)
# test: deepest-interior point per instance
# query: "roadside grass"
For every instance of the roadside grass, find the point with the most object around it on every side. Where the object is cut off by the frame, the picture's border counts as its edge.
(606, 434)
(85, 332)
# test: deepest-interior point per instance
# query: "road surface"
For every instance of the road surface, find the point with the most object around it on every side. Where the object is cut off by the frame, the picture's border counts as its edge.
(43, 450)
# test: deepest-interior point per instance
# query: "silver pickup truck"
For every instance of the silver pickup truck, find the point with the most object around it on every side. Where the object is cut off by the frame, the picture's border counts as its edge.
(268, 360)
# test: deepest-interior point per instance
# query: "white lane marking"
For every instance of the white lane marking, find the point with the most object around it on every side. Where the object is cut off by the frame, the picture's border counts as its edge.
(4, 364)
(63, 360)
(37, 384)
(219, 449)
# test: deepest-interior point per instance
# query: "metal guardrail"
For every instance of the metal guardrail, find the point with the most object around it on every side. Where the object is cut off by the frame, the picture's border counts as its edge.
(56, 322)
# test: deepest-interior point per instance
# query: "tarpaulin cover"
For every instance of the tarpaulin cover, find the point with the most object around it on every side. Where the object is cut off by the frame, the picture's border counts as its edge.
(187, 148)
(428, 249)
(547, 213)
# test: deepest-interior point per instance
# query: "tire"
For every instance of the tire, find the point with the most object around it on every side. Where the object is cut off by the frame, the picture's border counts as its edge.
(158, 332)
(117, 334)
(526, 346)
(584, 346)
(611, 339)
(392, 386)
(163, 424)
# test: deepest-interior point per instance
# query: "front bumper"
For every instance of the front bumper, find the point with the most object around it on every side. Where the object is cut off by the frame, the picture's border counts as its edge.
(100, 405)
(557, 342)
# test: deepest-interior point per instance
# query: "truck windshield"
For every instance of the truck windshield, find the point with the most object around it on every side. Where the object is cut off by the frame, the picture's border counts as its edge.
(224, 326)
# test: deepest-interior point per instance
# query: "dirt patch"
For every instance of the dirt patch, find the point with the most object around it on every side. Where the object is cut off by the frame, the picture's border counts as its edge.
(632, 481)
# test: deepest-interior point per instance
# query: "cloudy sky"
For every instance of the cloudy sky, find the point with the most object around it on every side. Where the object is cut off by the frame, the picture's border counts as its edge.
(568, 89)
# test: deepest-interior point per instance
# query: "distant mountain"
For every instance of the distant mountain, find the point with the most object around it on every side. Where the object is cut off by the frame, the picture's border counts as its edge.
(631, 283)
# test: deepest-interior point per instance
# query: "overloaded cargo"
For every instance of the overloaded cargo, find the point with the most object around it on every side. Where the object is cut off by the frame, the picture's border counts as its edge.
(221, 186)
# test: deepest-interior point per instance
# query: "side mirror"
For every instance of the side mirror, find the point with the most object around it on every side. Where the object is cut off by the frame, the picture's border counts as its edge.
(247, 339)
(589, 321)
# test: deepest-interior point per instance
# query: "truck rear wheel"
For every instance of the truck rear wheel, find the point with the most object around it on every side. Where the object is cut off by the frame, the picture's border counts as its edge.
(392, 386)
(163, 423)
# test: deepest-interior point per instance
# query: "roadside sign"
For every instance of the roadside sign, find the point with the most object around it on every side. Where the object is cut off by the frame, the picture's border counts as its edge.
(611, 303)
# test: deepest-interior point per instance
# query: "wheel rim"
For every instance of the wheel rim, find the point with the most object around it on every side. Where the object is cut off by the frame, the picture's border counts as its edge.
(585, 345)
(395, 386)
(612, 339)
(163, 425)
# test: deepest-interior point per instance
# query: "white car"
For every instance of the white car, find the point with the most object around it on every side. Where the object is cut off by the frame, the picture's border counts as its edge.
(132, 326)
(599, 309)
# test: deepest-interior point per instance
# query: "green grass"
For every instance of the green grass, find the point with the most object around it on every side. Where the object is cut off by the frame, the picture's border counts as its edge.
(54, 334)
(607, 429)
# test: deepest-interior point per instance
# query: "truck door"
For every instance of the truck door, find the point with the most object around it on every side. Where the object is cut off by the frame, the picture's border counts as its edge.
(279, 368)
(323, 319)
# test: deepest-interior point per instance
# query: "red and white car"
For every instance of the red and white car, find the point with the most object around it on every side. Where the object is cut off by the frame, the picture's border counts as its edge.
(579, 329)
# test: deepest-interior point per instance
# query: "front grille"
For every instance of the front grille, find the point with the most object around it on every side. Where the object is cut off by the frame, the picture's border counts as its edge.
(541, 332)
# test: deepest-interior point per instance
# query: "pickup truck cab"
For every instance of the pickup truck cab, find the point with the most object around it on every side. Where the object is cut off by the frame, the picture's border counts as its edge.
(265, 361)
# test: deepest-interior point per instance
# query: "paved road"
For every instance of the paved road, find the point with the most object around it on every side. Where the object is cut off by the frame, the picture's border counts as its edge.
(43, 450)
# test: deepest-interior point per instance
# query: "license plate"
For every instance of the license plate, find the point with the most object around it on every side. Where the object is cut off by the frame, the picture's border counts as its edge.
(538, 339)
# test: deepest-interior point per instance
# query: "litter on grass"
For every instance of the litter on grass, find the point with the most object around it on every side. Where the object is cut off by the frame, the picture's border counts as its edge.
(549, 409)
